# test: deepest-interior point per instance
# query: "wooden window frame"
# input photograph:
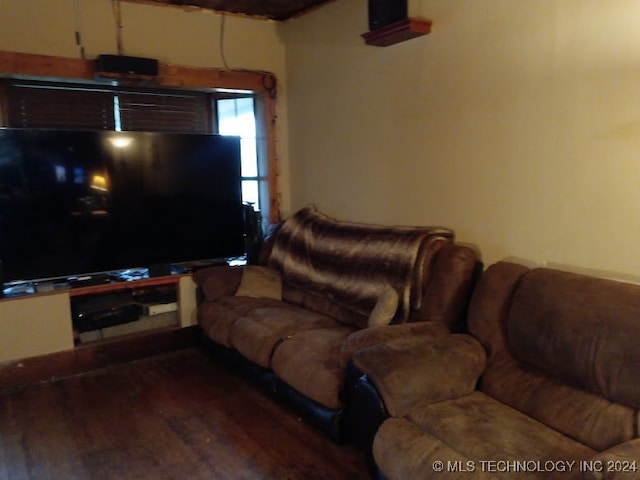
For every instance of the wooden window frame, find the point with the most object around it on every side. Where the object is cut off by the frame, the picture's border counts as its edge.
(263, 84)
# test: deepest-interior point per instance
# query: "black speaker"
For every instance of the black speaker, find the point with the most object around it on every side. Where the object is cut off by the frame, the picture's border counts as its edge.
(384, 12)
(252, 233)
(127, 65)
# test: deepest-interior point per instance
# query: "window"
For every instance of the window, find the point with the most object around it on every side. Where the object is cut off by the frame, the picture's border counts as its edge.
(237, 116)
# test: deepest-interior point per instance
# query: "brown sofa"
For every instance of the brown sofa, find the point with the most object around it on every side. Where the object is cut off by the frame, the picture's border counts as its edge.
(324, 290)
(557, 355)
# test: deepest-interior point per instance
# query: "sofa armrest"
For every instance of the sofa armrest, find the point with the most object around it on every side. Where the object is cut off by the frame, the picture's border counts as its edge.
(218, 281)
(621, 462)
(367, 337)
(409, 372)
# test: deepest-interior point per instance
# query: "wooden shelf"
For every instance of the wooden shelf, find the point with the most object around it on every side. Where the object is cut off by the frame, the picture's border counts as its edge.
(128, 285)
(397, 32)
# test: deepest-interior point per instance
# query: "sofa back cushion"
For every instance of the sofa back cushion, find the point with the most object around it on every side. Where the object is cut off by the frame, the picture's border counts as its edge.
(489, 307)
(582, 330)
(560, 349)
(582, 415)
(323, 304)
(452, 274)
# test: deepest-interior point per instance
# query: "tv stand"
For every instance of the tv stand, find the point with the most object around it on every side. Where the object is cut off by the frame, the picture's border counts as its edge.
(35, 323)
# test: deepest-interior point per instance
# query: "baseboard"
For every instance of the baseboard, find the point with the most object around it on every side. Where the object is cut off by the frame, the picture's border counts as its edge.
(29, 371)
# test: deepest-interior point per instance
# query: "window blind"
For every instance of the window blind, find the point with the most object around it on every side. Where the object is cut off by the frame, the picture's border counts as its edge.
(98, 107)
(35, 105)
(163, 111)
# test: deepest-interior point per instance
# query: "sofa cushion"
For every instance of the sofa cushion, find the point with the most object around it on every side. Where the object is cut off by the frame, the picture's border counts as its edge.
(577, 413)
(310, 363)
(621, 461)
(582, 329)
(513, 312)
(216, 318)
(324, 305)
(448, 285)
(481, 428)
(259, 281)
(217, 281)
(257, 333)
(403, 451)
(489, 307)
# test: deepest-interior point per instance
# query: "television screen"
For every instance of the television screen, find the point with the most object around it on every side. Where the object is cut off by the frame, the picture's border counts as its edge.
(80, 202)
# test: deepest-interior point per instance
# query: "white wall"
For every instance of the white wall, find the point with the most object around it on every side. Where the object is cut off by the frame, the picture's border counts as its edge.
(173, 35)
(515, 122)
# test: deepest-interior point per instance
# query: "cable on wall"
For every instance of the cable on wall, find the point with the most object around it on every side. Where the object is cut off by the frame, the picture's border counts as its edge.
(268, 78)
(222, 25)
(117, 14)
(78, 26)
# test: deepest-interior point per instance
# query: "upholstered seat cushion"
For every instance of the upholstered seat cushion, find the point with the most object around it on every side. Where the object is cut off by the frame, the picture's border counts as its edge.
(310, 363)
(474, 427)
(403, 451)
(216, 318)
(257, 333)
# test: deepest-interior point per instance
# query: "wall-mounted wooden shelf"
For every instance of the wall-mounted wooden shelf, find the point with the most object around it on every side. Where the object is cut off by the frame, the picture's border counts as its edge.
(397, 32)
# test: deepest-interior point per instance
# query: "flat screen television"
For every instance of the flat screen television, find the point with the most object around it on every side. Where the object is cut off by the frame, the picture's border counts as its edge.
(84, 202)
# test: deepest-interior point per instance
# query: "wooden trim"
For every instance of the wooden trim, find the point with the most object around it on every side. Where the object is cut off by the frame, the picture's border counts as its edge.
(32, 65)
(270, 117)
(29, 371)
(194, 77)
(12, 63)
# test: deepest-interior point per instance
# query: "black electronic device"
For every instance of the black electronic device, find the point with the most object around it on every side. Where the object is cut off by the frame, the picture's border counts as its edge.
(75, 203)
(127, 65)
(385, 12)
(106, 317)
(253, 233)
(160, 269)
(94, 312)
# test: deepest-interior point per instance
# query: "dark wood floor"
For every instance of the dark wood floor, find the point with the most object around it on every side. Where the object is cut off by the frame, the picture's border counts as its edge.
(175, 416)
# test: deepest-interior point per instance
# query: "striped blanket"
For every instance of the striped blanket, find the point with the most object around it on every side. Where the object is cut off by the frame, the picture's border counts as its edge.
(351, 264)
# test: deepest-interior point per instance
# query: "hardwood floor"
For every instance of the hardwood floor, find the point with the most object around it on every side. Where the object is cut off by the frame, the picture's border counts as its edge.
(174, 416)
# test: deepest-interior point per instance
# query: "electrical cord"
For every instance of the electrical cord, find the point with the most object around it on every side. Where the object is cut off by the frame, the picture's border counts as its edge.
(222, 25)
(117, 14)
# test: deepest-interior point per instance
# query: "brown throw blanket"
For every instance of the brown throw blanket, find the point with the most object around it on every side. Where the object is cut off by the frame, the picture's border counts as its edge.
(352, 264)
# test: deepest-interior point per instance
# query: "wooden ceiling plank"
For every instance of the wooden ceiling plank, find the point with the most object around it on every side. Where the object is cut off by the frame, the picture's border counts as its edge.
(265, 9)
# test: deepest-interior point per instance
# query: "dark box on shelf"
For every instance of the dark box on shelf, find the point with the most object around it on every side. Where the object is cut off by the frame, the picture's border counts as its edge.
(102, 311)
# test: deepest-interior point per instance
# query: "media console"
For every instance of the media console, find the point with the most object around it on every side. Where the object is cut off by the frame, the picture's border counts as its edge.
(40, 321)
